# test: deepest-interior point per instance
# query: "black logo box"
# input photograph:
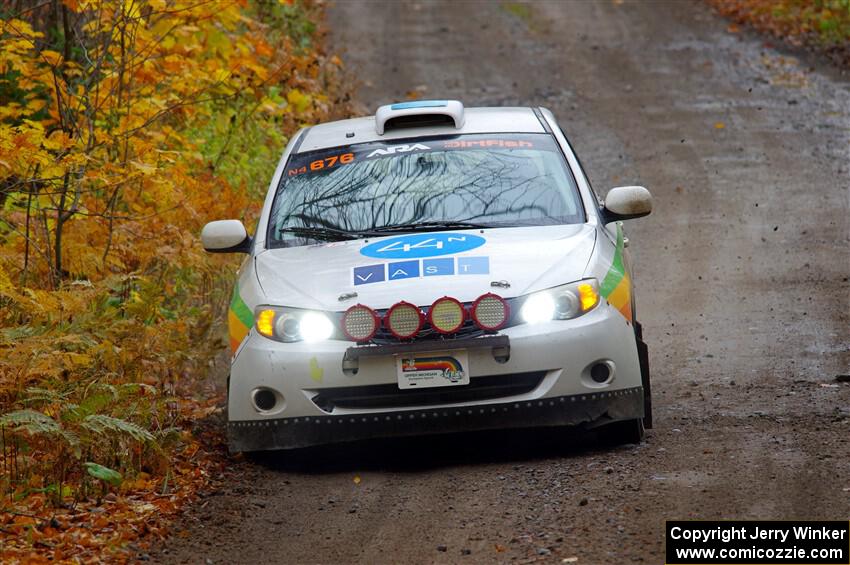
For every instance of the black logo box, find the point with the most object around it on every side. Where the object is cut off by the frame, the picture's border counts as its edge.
(802, 537)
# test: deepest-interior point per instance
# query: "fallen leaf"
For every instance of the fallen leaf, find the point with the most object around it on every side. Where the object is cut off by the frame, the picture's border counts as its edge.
(719, 125)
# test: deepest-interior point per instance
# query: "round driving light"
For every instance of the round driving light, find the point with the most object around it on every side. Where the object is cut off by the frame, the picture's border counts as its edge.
(403, 320)
(446, 315)
(360, 323)
(538, 308)
(315, 327)
(490, 311)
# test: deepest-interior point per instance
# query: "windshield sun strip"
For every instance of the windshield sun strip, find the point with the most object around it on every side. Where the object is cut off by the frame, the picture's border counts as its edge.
(342, 155)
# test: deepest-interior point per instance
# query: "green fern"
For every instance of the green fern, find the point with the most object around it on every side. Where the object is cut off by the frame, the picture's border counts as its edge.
(35, 394)
(92, 404)
(103, 425)
(39, 424)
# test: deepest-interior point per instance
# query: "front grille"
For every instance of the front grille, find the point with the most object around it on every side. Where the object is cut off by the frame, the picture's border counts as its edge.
(390, 396)
(427, 333)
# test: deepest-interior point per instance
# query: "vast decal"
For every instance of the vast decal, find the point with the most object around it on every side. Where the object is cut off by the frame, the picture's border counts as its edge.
(616, 286)
(239, 320)
(422, 245)
(381, 272)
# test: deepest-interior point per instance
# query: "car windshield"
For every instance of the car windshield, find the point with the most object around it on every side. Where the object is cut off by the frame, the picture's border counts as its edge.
(469, 181)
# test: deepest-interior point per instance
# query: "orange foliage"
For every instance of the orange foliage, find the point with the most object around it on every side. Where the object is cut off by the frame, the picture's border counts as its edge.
(124, 127)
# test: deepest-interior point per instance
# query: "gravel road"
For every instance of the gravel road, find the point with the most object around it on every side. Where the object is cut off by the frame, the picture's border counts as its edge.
(742, 287)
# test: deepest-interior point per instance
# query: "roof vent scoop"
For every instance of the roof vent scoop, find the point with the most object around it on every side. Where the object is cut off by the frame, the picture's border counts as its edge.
(419, 113)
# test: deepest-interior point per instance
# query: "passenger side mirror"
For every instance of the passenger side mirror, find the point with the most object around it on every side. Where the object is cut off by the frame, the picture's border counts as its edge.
(627, 202)
(226, 236)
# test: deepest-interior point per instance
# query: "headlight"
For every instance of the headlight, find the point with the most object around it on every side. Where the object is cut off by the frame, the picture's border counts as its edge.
(288, 325)
(561, 303)
(538, 307)
(316, 327)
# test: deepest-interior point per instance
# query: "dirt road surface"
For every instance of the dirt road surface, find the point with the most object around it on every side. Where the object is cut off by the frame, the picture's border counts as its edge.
(742, 287)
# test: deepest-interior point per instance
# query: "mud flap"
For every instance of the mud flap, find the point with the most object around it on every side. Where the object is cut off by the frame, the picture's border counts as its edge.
(643, 358)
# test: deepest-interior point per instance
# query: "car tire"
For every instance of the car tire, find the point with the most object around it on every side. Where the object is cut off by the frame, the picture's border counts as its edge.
(643, 359)
(622, 432)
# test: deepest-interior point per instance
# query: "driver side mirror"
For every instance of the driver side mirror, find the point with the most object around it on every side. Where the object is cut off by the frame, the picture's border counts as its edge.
(226, 236)
(627, 202)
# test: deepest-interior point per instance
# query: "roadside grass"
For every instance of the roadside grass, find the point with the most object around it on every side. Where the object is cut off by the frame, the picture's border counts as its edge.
(124, 127)
(822, 25)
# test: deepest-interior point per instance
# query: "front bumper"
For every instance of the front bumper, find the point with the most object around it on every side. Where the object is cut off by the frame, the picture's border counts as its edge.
(544, 380)
(591, 409)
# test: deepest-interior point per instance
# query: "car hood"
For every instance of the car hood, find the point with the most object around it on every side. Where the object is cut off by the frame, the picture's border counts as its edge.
(527, 258)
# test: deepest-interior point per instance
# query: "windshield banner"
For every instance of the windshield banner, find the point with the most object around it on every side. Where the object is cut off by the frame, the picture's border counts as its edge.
(329, 159)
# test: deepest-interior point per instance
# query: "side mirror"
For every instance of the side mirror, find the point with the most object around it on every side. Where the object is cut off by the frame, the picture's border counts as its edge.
(627, 202)
(226, 236)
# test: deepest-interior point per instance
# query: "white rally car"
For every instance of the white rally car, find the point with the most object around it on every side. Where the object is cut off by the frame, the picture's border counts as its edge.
(429, 269)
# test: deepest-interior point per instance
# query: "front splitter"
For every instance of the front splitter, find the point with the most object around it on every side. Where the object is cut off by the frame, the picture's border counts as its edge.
(291, 433)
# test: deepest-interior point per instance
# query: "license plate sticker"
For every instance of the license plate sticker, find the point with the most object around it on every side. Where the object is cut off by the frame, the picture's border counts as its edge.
(432, 369)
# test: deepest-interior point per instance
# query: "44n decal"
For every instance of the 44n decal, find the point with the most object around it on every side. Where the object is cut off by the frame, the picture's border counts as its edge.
(419, 245)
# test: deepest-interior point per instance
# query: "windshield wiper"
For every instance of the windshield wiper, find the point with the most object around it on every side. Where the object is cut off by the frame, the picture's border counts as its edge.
(427, 226)
(322, 234)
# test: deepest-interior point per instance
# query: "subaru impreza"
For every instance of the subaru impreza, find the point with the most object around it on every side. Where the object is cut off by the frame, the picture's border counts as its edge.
(432, 269)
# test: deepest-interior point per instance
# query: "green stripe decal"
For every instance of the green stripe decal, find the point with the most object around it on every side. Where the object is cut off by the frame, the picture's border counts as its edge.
(241, 309)
(616, 272)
